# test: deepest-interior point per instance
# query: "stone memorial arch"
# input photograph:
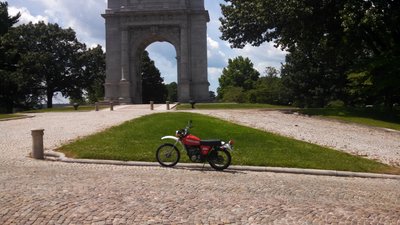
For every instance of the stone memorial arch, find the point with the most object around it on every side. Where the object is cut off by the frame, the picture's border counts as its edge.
(132, 25)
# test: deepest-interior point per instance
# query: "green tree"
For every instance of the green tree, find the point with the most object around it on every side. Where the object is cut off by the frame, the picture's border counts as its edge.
(51, 56)
(269, 89)
(326, 41)
(234, 94)
(372, 30)
(152, 82)
(10, 82)
(6, 21)
(172, 90)
(315, 79)
(213, 97)
(240, 73)
(94, 73)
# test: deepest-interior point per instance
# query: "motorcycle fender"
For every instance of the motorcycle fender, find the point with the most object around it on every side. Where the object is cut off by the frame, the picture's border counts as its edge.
(170, 137)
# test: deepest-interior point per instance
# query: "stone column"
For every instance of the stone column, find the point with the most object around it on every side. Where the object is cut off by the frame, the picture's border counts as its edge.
(136, 79)
(113, 59)
(125, 84)
(184, 70)
(199, 81)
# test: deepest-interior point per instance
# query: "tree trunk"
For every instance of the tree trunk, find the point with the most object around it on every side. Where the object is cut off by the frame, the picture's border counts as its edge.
(389, 101)
(49, 99)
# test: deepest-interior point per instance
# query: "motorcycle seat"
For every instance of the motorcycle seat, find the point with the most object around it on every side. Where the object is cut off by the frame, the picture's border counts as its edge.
(211, 143)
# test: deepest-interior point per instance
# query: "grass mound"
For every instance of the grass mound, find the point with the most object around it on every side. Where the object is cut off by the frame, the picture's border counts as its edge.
(137, 140)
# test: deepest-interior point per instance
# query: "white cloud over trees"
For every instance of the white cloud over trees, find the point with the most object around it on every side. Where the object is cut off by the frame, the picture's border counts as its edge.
(85, 18)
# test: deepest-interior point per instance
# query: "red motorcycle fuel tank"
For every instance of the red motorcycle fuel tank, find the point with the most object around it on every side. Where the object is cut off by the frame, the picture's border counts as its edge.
(191, 140)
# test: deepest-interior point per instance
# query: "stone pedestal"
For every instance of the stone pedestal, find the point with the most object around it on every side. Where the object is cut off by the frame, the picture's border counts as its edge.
(124, 92)
(37, 144)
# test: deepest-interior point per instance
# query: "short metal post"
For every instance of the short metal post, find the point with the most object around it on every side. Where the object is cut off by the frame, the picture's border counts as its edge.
(111, 106)
(37, 144)
(151, 105)
(96, 106)
(167, 105)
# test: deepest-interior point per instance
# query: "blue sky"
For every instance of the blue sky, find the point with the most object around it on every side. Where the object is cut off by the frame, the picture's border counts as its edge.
(84, 17)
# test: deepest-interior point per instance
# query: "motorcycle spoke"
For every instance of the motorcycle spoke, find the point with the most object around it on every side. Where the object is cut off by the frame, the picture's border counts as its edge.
(167, 155)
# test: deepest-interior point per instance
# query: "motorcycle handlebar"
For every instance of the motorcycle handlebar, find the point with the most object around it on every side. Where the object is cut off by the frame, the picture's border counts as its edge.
(188, 126)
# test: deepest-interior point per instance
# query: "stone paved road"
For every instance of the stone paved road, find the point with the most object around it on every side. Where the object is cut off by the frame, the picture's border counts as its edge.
(41, 192)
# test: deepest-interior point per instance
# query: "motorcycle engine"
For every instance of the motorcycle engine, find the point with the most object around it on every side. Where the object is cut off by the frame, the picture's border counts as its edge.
(194, 154)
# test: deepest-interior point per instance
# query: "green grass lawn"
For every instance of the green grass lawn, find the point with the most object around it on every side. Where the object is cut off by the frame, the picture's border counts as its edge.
(9, 116)
(364, 116)
(137, 140)
(231, 106)
(83, 108)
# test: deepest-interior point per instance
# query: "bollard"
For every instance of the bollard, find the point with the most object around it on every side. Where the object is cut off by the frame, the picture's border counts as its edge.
(167, 105)
(96, 106)
(192, 103)
(37, 144)
(111, 106)
(151, 105)
(76, 105)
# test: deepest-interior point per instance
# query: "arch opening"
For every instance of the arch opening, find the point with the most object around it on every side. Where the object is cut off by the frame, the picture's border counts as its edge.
(159, 72)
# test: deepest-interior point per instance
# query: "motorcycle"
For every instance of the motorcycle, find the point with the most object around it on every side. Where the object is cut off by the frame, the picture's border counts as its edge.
(215, 152)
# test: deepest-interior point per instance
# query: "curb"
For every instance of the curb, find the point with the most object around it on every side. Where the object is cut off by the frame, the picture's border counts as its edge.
(60, 157)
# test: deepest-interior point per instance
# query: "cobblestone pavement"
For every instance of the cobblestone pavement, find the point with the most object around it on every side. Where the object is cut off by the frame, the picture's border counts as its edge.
(43, 192)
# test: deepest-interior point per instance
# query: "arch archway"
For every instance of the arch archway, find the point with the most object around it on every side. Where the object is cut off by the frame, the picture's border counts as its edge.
(132, 25)
(163, 56)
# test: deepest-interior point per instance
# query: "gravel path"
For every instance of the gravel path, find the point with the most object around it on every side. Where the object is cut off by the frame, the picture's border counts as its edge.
(60, 128)
(43, 192)
(374, 143)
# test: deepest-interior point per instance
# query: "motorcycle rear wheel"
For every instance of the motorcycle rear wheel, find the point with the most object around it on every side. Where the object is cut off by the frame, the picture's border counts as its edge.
(168, 155)
(219, 159)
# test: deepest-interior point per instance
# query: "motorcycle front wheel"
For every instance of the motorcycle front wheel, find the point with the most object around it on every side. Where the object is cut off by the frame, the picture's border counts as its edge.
(168, 155)
(219, 159)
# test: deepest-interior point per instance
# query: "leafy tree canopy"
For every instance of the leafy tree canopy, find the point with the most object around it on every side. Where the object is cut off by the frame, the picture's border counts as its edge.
(172, 89)
(6, 21)
(94, 73)
(240, 72)
(326, 41)
(51, 56)
(10, 83)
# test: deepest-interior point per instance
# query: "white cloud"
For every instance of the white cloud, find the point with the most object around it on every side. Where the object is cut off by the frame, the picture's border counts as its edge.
(263, 56)
(85, 18)
(213, 75)
(164, 56)
(216, 57)
(26, 15)
(212, 44)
